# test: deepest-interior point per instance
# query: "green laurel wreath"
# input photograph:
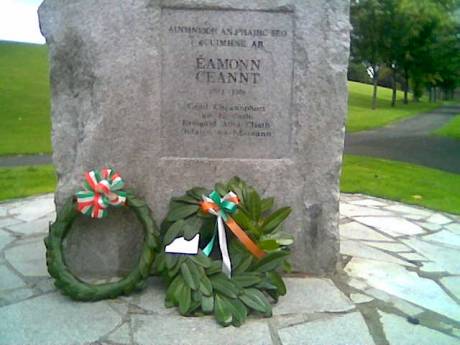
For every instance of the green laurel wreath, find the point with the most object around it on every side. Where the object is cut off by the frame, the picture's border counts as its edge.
(195, 282)
(77, 289)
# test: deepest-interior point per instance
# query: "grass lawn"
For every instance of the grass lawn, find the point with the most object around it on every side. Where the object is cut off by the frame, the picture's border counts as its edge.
(403, 182)
(25, 181)
(450, 129)
(24, 99)
(362, 117)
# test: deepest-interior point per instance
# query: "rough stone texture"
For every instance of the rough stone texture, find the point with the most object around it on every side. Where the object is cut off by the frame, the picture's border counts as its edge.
(322, 294)
(401, 283)
(51, 319)
(189, 331)
(9, 280)
(399, 331)
(29, 258)
(106, 77)
(341, 330)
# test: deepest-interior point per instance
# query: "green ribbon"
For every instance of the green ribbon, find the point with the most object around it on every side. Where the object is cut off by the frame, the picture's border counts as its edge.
(226, 208)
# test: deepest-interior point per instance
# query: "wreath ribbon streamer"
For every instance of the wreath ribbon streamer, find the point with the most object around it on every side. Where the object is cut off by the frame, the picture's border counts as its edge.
(102, 189)
(222, 208)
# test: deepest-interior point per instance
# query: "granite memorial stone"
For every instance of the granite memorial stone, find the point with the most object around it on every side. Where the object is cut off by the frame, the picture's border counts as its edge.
(180, 93)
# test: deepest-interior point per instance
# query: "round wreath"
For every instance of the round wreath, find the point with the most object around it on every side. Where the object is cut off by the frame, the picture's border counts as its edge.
(71, 285)
(197, 284)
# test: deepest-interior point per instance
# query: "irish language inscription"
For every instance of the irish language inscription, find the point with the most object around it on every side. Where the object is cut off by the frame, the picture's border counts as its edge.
(226, 83)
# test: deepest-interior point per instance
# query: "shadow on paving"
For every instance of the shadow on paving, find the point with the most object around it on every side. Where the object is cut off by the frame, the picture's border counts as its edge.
(411, 141)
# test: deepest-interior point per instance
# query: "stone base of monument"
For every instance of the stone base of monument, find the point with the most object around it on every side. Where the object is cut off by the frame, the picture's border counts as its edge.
(176, 94)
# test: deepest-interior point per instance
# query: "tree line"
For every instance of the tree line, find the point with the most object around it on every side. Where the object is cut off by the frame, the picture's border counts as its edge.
(417, 43)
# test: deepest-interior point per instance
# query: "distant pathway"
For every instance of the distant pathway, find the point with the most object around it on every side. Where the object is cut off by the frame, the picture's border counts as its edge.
(13, 161)
(411, 141)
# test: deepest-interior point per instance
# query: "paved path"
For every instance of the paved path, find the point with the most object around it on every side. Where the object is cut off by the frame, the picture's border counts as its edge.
(14, 161)
(411, 141)
(399, 285)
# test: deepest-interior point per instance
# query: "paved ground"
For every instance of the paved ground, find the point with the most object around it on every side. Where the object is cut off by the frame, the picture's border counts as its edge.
(411, 141)
(400, 285)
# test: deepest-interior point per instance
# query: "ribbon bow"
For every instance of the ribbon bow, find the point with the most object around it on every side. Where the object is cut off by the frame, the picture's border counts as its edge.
(102, 189)
(222, 208)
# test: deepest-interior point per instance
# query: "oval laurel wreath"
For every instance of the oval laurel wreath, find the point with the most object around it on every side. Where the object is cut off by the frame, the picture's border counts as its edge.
(195, 283)
(77, 289)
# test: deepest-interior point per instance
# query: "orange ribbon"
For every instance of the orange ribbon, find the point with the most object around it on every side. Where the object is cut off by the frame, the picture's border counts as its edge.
(206, 206)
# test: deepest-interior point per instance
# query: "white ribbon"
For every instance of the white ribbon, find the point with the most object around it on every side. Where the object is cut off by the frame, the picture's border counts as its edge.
(226, 263)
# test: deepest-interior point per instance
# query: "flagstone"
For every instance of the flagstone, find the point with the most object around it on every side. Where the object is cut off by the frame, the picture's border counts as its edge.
(9, 297)
(429, 226)
(413, 257)
(368, 202)
(444, 237)
(121, 335)
(34, 209)
(401, 332)
(409, 210)
(178, 330)
(29, 258)
(454, 227)
(359, 249)
(349, 210)
(413, 216)
(354, 230)
(27, 228)
(439, 219)
(45, 285)
(152, 299)
(397, 281)
(452, 284)
(398, 303)
(360, 298)
(340, 330)
(54, 319)
(406, 307)
(317, 295)
(357, 284)
(9, 221)
(392, 226)
(389, 246)
(5, 239)
(9, 280)
(444, 259)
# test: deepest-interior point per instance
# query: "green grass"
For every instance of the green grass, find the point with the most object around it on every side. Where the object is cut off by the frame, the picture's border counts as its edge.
(25, 181)
(403, 182)
(450, 129)
(362, 117)
(24, 99)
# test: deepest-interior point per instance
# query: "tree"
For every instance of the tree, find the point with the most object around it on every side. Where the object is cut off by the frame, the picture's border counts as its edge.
(367, 38)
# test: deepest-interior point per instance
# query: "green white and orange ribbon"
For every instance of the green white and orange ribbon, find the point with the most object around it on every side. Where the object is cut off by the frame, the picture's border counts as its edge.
(102, 189)
(222, 208)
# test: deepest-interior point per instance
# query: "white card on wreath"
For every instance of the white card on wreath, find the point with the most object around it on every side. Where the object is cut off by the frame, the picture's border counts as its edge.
(181, 246)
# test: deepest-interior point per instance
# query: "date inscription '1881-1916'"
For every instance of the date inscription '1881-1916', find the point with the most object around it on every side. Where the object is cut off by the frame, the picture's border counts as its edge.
(226, 83)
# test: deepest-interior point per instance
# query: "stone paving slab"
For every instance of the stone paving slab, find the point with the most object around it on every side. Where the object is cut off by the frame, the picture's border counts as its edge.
(398, 285)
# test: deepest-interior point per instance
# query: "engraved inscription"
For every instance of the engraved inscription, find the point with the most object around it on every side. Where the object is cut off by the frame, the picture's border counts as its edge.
(226, 83)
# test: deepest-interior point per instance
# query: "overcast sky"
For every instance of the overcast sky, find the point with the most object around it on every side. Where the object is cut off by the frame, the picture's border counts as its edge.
(19, 21)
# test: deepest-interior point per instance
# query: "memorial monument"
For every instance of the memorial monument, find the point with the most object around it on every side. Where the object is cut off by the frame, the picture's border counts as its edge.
(185, 92)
